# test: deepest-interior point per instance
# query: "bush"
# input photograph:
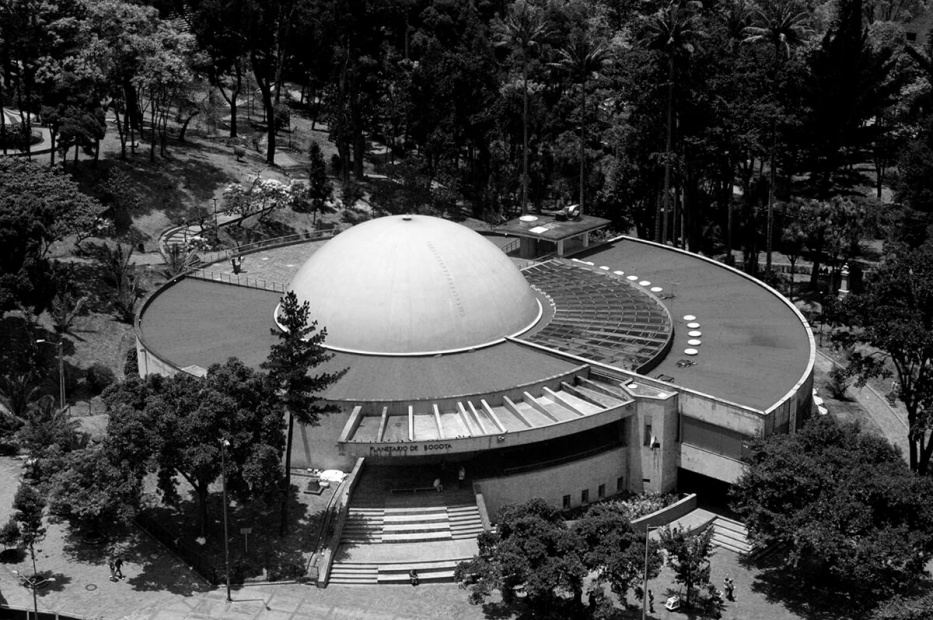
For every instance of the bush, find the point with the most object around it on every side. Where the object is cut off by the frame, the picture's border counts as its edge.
(131, 363)
(336, 164)
(99, 377)
(288, 570)
(838, 383)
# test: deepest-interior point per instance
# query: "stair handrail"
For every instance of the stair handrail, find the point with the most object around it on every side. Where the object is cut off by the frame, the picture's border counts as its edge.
(334, 521)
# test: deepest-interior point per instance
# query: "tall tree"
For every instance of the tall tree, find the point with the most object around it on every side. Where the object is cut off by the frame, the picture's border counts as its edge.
(673, 31)
(583, 56)
(521, 31)
(891, 324)
(782, 25)
(850, 83)
(289, 364)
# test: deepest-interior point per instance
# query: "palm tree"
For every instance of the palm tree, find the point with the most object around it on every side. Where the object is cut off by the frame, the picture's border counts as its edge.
(521, 31)
(582, 57)
(782, 24)
(672, 31)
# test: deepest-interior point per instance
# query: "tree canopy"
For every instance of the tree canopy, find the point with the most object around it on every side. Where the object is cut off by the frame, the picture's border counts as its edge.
(890, 325)
(851, 514)
(39, 205)
(176, 424)
(533, 549)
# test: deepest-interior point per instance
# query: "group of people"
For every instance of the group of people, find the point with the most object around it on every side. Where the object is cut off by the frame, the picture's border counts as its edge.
(116, 569)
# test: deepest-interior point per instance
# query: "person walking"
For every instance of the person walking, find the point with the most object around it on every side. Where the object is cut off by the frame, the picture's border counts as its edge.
(118, 566)
(113, 570)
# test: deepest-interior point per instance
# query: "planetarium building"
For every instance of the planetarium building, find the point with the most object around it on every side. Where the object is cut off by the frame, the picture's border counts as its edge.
(542, 365)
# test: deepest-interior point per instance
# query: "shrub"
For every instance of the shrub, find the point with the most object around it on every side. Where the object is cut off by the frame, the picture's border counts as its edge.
(838, 383)
(131, 363)
(99, 377)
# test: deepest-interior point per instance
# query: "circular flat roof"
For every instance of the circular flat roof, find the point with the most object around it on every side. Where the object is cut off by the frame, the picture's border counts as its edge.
(413, 284)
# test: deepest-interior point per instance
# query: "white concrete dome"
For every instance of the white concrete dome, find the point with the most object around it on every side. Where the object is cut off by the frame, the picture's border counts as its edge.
(413, 284)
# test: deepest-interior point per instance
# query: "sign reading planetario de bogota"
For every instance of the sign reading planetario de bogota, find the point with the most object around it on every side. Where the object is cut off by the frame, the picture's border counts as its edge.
(407, 450)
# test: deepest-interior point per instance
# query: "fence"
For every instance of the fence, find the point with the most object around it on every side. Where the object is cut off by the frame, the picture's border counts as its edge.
(219, 255)
(188, 554)
(238, 280)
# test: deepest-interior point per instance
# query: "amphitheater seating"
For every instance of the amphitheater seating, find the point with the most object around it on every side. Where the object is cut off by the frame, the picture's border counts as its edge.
(599, 316)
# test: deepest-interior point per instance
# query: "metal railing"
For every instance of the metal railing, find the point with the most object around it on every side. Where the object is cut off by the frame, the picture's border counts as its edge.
(238, 280)
(219, 255)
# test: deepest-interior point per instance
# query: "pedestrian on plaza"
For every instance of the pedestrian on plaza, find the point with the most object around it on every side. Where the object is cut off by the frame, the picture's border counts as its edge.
(118, 566)
(650, 601)
(113, 571)
(729, 587)
(437, 485)
(413, 577)
(461, 476)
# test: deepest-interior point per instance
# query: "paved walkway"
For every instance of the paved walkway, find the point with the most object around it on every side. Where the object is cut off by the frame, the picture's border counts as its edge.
(891, 422)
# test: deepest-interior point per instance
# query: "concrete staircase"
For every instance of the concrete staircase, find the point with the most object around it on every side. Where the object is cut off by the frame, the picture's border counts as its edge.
(730, 535)
(382, 526)
(415, 519)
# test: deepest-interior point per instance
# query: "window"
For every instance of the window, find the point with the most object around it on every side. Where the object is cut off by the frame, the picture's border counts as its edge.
(585, 496)
(647, 438)
(601, 491)
(566, 502)
(620, 484)
(712, 438)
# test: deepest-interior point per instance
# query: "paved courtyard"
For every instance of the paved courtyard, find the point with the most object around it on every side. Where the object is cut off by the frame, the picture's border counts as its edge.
(160, 587)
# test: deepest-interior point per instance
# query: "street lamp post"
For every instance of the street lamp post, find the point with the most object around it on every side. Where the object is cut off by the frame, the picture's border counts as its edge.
(644, 594)
(224, 444)
(34, 583)
(61, 369)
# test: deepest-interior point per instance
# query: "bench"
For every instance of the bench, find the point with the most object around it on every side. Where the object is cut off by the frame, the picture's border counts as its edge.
(413, 490)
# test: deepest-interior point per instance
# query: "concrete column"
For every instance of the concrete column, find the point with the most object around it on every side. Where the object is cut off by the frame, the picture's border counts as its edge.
(560, 247)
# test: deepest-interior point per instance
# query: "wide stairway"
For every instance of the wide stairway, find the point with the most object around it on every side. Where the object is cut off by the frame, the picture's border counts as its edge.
(399, 523)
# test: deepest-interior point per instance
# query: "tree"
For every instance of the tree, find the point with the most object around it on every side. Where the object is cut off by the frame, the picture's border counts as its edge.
(262, 197)
(92, 490)
(521, 31)
(905, 608)
(583, 56)
(615, 551)
(850, 82)
(891, 324)
(289, 364)
(852, 515)
(39, 205)
(673, 31)
(26, 528)
(783, 25)
(177, 424)
(532, 547)
(320, 189)
(688, 556)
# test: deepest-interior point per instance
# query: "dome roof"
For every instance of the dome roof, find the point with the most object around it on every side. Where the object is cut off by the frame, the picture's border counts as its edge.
(413, 284)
